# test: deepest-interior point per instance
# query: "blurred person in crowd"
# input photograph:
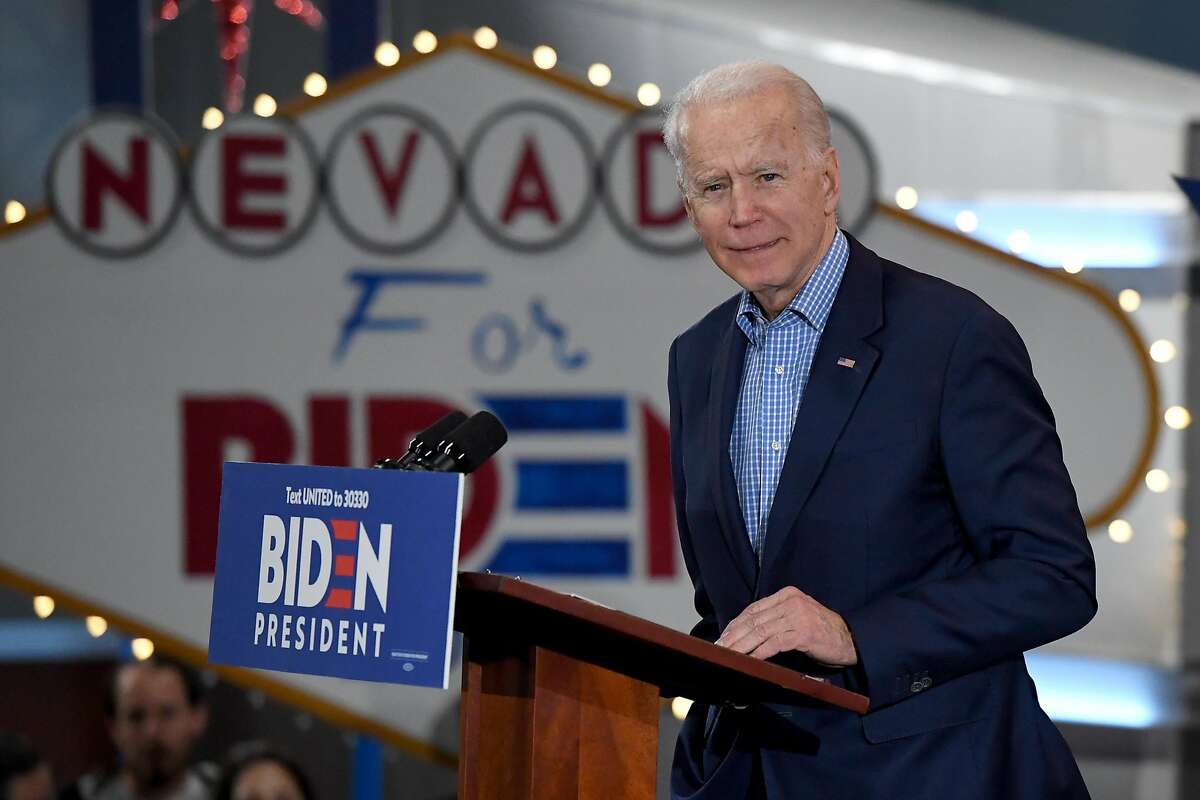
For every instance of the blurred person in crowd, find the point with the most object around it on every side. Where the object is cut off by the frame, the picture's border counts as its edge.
(156, 713)
(24, 774)
(257, 771)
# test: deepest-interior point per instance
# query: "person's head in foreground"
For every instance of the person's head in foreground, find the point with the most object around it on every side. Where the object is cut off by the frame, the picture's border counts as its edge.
(257, 771)
(24, 775)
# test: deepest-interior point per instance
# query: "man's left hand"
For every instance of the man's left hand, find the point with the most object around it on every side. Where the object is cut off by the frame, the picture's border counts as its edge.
(791, 620)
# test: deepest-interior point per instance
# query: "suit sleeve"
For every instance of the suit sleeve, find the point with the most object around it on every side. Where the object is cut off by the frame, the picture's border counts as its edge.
(707, 627)
(1033, 580)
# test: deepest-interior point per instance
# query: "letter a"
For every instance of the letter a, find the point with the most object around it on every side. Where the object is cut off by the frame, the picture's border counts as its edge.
(529, 190)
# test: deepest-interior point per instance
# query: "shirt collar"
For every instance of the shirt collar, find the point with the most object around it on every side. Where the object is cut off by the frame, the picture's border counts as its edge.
(811, 304)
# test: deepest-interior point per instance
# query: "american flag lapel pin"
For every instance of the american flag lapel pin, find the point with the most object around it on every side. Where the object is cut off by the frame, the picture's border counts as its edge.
(846, 362)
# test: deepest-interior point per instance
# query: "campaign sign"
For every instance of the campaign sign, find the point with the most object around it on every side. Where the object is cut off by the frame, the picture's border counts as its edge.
(337, 571)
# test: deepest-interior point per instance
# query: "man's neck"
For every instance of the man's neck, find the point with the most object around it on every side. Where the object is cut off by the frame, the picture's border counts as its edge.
(159, 792)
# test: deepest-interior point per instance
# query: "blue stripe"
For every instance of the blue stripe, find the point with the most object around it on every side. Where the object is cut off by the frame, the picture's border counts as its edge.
(597, 557)
(368, 769)
(377, 275)
(556, 485)
(353, 32)
(115, 27)
(563, 413)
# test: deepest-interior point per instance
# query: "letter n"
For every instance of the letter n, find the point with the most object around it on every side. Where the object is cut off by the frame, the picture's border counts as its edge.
(99, 178)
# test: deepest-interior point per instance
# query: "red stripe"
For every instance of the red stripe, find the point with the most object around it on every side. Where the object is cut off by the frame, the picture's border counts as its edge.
(660, 517)
(343, 566)
(345, 529)
(338, 598)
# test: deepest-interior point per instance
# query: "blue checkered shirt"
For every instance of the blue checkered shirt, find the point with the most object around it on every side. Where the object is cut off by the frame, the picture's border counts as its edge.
(778, 359)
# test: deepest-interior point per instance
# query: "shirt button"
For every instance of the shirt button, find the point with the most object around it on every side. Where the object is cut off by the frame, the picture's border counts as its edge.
(775, 445)
(779, 370)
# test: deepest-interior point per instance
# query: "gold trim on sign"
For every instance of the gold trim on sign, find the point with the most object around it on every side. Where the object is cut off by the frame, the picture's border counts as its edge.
(197, 657)
(1124, 493)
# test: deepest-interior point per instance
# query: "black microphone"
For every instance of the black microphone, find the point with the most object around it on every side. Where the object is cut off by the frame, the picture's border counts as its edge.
(425, 444)
(468, 445)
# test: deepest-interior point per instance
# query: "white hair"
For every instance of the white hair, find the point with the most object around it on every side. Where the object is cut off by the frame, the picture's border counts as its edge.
(736, 81)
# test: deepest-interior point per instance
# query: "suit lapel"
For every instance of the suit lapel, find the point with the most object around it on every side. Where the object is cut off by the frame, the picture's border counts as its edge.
(832, 391)
(727, 378)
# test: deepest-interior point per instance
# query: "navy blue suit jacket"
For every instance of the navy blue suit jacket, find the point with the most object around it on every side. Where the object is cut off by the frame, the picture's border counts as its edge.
(924, 498)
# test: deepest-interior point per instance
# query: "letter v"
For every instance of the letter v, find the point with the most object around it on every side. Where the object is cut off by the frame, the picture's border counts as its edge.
(390, 184)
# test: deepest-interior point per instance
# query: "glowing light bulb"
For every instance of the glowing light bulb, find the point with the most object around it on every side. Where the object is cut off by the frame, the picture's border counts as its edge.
(648, 94)
(906, 198)
(544, 56)
(43, 606)
(1162, 351)
(1129, 300)
(264, 105)
(96, 626)
(680, 706)
(966, 221)
(1177, 417)
(1018, 241)
(1120, 531)
(486, 38)
(425, 42)
(14, 212)
(142, 648)
(212, 118)
(1158, 481)
(599, 74)
(387, 54)
(315, 84)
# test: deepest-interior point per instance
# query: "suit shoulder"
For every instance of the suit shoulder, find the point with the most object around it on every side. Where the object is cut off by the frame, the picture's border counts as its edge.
(704, 333)
(933, 298)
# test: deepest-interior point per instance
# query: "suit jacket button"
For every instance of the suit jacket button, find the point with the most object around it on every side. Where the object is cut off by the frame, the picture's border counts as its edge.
(916, 687)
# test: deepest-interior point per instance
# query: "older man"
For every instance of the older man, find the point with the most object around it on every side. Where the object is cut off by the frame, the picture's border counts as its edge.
(868, 483)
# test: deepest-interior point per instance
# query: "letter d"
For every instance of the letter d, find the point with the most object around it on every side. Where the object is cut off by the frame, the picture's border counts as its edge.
(326, 635)
(314, 534)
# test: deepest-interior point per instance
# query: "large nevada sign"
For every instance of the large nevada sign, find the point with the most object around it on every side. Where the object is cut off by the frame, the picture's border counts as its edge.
(459, 232)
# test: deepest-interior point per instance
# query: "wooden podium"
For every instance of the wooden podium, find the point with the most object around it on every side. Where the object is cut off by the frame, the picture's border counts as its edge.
(561, 695)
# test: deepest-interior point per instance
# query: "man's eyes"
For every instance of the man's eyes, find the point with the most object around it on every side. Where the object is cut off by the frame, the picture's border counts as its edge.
(716, 186)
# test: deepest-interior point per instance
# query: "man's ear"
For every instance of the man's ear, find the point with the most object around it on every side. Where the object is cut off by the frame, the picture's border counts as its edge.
(832, 179)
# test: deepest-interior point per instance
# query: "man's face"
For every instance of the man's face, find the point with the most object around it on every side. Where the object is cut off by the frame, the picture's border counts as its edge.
(763, 208)
(154, 728)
